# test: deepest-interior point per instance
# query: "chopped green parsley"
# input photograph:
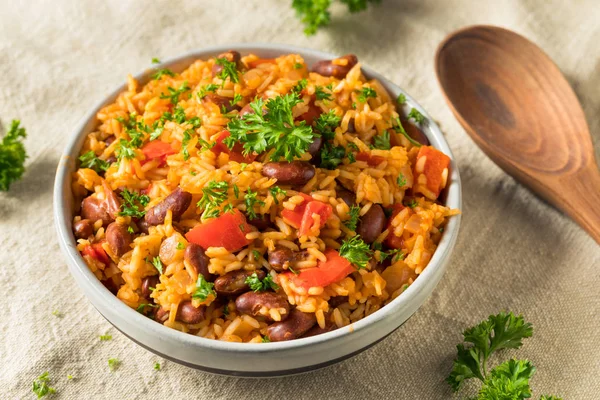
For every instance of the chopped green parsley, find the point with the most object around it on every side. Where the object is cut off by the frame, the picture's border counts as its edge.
(213, 195)
(382, 141)
(321, 94)
(326, 123)
(162, 72)
(113, 364)
(41, 386)
(12, 155)
(229, 70)
(251, 200)
(133, 204)
(365, 93)
(258, 285)
(106, 337)
(204, 289)
(401, 181)
(275, 191)
(401, 99)
(89, 160)
(353, 215)
(416, 116)
(158, 264)
(356, 251)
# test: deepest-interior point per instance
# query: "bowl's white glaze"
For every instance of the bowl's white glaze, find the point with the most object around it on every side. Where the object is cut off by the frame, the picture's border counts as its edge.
(266, 359)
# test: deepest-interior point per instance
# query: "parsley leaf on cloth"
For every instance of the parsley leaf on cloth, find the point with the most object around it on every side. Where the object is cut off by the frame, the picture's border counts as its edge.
(41, 386)
(275, 130)
(12, 155)
(509, 380)
(315, 14)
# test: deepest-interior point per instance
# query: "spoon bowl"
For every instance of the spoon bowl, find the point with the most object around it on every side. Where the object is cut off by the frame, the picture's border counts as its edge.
(520, 110)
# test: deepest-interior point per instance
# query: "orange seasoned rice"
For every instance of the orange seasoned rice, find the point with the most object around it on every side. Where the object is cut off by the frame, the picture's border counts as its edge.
(403, 179)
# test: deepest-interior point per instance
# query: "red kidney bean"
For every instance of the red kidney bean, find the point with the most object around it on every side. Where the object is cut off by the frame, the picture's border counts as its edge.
(111, 286)
(109, 140)
(234, 282)
(162, 315)
(177, 202)
(232, 56)
(328, 68)
(148, 283)
(221, 102)
(282, 256)
(371, 224)
(189, 314)
(118, 238)
(347, 196)
(317, 330)
(351, 127)
(83, 229)
(315, 149)
(415, 133)
(251, 303)
(262, 222)
(296, 325)
(295, 173)
(195, 256)
(142, 226)
(93, 208)
(337, 301)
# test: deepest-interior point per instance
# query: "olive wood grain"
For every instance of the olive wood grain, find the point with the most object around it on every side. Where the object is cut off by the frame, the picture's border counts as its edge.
(520, 110)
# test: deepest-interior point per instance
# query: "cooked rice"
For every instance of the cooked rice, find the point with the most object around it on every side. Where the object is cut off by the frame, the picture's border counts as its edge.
(367, 290)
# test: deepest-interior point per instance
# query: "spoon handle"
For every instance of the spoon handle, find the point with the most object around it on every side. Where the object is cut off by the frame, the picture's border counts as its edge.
(581, 199)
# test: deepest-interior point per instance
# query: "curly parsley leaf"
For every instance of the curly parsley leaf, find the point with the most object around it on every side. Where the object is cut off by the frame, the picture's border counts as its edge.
(501, 331)
(213, 195)
(41, 386)
(229, 70)
(12, 155)
(251, 200)
(509, 380)
(113, 364)
(321, 94)
(401, 180)
(353, 215)
(158, 264)
(356, 251)
(275, 191)
(133, 204)
(365, 93)
(416, 116)
(204, 289)
(258, 285)
(326, 123)
(274, 130)
(91, 161)
(210, 88)
(174, 94)
(401, 99)
(162, 72)
(332, 156)
(382, 141)
(314, 14)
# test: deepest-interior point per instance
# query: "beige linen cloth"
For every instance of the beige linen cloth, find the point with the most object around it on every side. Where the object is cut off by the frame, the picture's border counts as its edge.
(515, 252)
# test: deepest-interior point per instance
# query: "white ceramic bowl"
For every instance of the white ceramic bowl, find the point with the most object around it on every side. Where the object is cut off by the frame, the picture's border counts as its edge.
(245, 359)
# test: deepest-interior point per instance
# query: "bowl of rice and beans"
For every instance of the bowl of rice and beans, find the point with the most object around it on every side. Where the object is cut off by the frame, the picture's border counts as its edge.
(246, 200)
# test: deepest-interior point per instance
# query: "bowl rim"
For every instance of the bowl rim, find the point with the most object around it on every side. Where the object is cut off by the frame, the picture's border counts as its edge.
(90, 284)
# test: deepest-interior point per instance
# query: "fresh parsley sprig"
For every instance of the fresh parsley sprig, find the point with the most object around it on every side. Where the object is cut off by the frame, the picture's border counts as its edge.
(251, 200)
(382, 141)
(229, 70)
(416, 116)
(41, 386)
(509, 380)
(274, 130)
(12, 155)
(326, 123)
(365, 93)
(315, 14)
(174, 94)
(399, 128)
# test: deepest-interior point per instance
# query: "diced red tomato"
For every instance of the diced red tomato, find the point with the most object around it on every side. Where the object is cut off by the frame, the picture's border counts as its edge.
(256, 63)
(96, 251)
(314, 207)
(294, 217)
(235, 154)
(313, 113)
(157, 149)
(371, 160)
(392, 241)
(435, 164)
(325, 273)
(228, 230)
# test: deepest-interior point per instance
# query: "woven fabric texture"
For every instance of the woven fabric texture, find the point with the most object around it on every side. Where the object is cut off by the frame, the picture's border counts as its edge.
(515, 252)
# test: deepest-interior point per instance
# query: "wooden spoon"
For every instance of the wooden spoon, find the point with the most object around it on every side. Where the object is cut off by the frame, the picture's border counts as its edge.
(519, 108)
